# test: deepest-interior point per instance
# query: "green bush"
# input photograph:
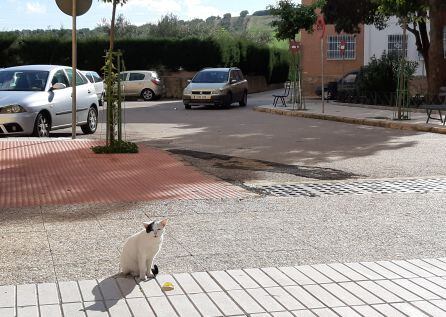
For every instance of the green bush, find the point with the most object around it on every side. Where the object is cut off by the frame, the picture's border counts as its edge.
(381, 75)
(221, 50)
(116, 147)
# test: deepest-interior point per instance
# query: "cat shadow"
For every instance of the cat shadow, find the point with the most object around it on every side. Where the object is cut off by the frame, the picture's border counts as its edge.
(108, 293)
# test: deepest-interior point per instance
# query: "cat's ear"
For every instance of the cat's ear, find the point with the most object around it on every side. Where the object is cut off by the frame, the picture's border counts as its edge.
(163, 223)
(148, 226)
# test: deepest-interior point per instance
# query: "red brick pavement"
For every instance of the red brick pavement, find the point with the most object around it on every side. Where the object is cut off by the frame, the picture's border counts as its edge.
(67, 172)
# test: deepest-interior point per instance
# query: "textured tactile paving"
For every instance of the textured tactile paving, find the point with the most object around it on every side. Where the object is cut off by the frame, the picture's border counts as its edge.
(68, 172)
(428, 185)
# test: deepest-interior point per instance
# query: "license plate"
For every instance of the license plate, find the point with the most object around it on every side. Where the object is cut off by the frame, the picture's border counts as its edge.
(201, 97)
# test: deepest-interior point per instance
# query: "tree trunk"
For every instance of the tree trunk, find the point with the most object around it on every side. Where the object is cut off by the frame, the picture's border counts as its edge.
(437, 62)
(112, 26)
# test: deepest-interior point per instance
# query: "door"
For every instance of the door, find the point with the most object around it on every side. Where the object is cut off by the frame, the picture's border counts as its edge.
(135, 83)
(84, 93)
(60, 100)
(123, 78)
(235, 87)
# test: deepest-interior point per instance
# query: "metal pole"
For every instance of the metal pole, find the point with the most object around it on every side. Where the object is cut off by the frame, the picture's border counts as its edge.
(74, 66)
(119, 98)
(322, 67)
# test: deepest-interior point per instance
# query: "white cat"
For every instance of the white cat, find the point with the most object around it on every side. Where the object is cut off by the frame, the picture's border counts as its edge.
(140, 249)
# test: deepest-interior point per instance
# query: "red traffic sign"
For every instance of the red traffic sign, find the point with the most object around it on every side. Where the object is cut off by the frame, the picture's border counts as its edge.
(342, 47)
(320, 26)
(295, 46)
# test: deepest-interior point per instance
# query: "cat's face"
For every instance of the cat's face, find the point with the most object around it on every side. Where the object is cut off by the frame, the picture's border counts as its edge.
(155, 228)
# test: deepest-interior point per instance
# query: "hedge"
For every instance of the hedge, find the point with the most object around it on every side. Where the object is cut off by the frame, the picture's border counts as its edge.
(190, 54)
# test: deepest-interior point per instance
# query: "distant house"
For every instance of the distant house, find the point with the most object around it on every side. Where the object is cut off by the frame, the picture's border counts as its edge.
(360, 48)
(391, 40)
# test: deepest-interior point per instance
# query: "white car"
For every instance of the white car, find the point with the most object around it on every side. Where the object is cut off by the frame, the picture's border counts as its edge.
(36, 99)
(98, 83)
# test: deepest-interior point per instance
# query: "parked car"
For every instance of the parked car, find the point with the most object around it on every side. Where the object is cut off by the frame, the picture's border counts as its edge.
(36, 99)
(98, 83)
(216, 86)
(344, 84)
(141, 83)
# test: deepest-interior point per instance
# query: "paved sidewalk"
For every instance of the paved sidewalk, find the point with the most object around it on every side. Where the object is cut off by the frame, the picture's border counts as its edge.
(54, 171)
(371, 116)
(384, 288)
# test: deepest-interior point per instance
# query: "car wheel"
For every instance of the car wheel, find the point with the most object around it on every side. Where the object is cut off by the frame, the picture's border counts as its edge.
(42, 126)
(92, 122)
(228, 100)
(147, 95)
(187, 107)
(244, 101)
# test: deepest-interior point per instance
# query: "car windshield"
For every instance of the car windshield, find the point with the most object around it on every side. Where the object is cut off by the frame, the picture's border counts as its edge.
(211, 77)
(23, 80)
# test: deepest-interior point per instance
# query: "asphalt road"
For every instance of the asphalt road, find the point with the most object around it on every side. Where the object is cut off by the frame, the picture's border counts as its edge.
(362, 151)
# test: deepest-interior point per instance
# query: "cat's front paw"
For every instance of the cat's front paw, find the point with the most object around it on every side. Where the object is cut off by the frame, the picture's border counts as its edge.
(142, 277)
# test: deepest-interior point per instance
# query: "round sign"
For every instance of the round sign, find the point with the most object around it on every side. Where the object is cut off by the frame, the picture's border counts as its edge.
(295, 46)
(66, 6)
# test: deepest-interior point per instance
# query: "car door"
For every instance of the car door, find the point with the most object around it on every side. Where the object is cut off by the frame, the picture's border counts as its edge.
(60, 100)
(123, 78)
(85, 94)
(235, 87)
(135, 83)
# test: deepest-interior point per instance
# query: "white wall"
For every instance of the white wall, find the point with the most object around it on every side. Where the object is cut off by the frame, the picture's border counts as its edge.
(375, 43)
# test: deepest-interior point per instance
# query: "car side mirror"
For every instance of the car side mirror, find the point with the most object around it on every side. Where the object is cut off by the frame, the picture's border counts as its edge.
(188, 81)
(58, 86)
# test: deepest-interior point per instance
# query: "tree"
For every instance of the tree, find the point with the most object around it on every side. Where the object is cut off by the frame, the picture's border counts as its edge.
(114, 3)
(226, 21)
(244, 13)
(292, 19)
(347, 15)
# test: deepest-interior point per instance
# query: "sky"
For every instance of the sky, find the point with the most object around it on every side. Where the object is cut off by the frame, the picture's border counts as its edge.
(44, 14)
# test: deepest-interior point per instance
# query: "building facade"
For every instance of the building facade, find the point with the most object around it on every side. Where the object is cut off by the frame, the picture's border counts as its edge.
(360, 48)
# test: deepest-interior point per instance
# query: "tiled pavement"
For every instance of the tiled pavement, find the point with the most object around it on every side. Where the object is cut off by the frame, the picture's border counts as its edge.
(384, 288)
(62, 171)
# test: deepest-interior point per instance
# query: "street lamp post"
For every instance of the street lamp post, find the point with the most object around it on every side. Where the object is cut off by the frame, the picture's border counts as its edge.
(74, 8)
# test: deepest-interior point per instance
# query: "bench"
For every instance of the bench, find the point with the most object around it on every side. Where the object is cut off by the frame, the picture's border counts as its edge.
(439, 108)
(282, 97)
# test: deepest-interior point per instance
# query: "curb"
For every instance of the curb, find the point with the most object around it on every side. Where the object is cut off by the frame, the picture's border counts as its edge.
(369, 122)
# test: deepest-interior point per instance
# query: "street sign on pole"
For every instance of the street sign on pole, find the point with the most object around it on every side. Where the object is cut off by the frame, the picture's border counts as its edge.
(342, 47)
(74, 8)
(295, 46)
(320, 27)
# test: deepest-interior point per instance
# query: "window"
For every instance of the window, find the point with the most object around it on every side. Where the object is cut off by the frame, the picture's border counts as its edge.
(349, 79)
(60, 77)
(90, 78)
(136, 76)
(80, 79)
(123, 76)
(334, 44)
(395, 44)
(27, 80)
(96, 77)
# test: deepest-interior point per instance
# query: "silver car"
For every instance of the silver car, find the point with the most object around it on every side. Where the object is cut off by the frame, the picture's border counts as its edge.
(216, 86)
(141, 83)
(35, 99)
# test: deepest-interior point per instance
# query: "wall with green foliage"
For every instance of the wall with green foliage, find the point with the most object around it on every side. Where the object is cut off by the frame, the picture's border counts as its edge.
(189, 54)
